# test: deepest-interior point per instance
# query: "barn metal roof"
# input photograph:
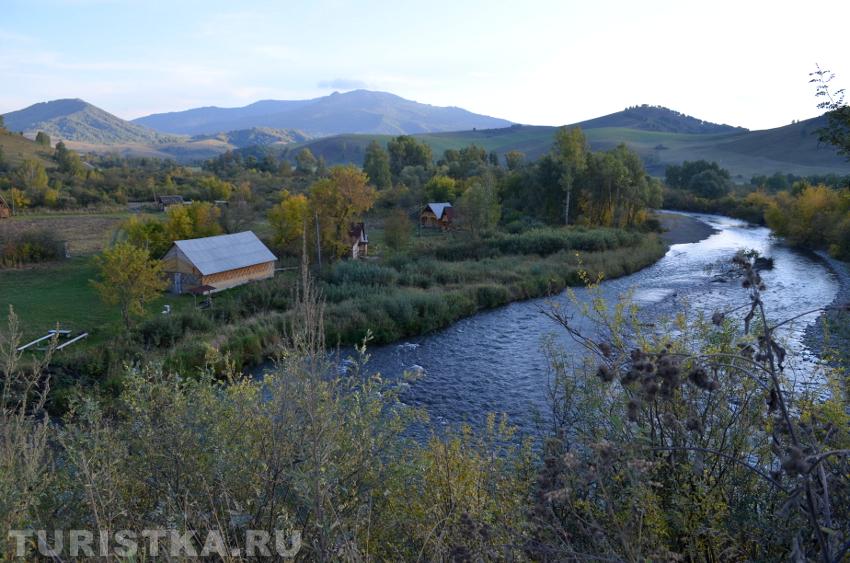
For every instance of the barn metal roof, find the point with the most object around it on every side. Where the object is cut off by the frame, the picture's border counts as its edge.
(222, 253)
(439, 208)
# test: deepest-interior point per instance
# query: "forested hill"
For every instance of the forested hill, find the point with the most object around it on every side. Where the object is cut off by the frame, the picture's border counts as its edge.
(789, 149)
(657, 118)
(78, 120)
(358, 111)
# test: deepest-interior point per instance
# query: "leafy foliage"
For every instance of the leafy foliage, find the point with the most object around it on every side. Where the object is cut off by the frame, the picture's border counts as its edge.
(129, 278)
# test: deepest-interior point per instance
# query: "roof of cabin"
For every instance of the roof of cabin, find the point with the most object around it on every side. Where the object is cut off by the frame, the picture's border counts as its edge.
(170, 199)
(439, 208)
(358, 231)
(222, 253)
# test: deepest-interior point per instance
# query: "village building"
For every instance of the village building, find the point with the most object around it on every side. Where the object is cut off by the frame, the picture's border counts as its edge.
(437, 215)
(166, 201)
(359, 240)
(217, 263)
(5, 209)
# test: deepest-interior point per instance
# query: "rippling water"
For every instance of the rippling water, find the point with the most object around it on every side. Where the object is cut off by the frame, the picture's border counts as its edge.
(493, 361)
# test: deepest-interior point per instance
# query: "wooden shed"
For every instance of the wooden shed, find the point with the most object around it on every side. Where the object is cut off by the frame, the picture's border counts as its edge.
(437, 215)
(5, 210)
(220, 262)
(166, 201)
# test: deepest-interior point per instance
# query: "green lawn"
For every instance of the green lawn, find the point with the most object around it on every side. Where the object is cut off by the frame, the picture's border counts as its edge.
(61, 293)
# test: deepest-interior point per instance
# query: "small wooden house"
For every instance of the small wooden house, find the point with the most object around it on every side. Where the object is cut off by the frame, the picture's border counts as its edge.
(359, 240)
(437, 215)
(5, 209)
(166, 201)
(219, 262)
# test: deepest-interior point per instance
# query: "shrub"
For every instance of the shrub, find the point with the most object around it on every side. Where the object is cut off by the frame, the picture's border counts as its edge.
(27, 247)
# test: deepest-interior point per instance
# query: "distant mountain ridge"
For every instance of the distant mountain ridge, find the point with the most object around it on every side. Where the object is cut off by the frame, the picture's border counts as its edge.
(358, 111)
(658, 118)
(77, 120)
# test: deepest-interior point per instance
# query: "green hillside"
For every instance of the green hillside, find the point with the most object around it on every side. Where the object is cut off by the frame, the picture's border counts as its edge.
(789, 149)
(17, 148)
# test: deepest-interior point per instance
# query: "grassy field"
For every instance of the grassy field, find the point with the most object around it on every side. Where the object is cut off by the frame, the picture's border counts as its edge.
(85, 234)
(46, 294)
(51, 294)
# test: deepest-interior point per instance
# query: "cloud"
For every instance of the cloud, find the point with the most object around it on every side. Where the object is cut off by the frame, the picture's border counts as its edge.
(343, 84)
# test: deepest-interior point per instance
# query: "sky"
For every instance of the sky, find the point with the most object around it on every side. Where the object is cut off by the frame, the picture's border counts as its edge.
(742, 62)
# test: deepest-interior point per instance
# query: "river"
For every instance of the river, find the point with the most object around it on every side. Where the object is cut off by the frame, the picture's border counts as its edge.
(494, 361)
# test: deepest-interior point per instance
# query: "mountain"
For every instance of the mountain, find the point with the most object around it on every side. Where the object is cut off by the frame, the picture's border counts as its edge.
(77, 120)
(358, 111)
(789, 149)
(658, 118)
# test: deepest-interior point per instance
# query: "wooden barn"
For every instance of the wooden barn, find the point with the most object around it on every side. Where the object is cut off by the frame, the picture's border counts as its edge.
(359, 240)
(219, 262)
(437, 215)
(166, 201)
(5, 209)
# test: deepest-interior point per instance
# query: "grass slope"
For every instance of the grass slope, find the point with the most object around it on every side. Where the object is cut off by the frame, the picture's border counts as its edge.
(17, 148)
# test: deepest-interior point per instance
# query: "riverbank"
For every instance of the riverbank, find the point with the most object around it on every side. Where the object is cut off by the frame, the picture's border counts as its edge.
(439, 280)
(829, 336)
(682, 229)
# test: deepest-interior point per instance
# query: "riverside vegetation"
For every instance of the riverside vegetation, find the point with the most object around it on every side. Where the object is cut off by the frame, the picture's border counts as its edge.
(522, 230)
(685, 441)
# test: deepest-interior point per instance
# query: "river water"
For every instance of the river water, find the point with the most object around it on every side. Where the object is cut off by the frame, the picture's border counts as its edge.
(494, 361)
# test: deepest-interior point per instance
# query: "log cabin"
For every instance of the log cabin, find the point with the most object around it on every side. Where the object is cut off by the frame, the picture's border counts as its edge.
(220, 262)
(437, 215)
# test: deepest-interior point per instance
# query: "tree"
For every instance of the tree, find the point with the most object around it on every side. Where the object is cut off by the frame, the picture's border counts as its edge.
(405, 151)
(214, 189)
(682, 177)
(148, 234)
(130, 278)
(397, 230)
(69, 161)
(837, 130)
(289, 217)
(376, 164)
(200, 219)
(337, 201)
(571, 150)
(709, 184)
(32, 175)
(441, 188)
(514, 159)
(478, 207)
(18, 199)
(305, 161)
(43, 139)
(2, 123)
